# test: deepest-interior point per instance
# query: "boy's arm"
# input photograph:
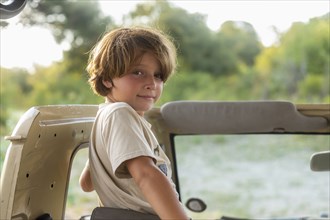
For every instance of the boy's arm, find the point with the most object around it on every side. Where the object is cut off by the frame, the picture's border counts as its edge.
(85, 180)
(156, 188)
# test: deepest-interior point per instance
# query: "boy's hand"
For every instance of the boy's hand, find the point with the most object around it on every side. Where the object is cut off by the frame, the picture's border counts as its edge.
(85, 180)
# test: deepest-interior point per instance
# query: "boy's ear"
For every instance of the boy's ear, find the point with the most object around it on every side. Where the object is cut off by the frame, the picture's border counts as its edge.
(107, 84)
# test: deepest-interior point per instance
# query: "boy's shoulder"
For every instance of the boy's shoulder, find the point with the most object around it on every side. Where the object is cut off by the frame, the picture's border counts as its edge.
(109, 108)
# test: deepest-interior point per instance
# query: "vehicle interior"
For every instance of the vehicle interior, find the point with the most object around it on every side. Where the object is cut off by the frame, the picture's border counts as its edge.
(36, 172)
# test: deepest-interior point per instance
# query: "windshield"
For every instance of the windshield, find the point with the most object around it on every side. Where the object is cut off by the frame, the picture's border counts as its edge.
(253, 176)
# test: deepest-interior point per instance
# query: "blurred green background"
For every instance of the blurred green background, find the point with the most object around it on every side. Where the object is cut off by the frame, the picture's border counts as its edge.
(228, 64)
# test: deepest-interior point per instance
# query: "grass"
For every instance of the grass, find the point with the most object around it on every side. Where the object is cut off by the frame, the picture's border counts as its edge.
(253, 175)
(79, 203)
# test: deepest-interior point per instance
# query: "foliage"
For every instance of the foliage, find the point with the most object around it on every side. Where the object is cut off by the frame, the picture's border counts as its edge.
(76, 24)
(228, 64)
(199, 48)
(13, 90)
(299, 65)
(241, 41)
(203, 86)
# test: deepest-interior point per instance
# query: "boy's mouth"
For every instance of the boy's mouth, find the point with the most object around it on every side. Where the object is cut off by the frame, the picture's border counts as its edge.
(147, 97)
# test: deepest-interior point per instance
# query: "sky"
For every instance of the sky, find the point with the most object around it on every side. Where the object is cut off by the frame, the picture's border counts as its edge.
(24, 47)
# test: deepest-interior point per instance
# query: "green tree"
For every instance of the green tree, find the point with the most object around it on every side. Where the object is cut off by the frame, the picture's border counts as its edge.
(76, 23)
(14, 93)
(201, 49)
(196, 43)
(240, 42)
(52, 85)
(299, 64)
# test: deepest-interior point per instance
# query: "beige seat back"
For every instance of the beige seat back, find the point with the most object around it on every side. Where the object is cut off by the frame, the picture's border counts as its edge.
(35, 176)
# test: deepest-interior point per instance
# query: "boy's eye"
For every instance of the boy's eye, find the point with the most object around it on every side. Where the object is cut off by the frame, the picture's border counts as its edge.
(159, 76)
(138, 73)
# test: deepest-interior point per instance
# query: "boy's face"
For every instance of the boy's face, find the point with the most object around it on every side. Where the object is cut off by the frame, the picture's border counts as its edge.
(141, 87)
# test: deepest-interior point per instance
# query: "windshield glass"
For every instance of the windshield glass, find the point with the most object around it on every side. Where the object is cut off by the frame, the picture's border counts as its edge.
(253, 175)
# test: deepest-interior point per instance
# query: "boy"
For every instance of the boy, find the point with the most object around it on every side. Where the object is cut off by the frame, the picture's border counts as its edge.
(127, 167)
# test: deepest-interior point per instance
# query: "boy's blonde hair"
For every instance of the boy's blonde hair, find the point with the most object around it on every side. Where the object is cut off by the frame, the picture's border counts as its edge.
(120, 49)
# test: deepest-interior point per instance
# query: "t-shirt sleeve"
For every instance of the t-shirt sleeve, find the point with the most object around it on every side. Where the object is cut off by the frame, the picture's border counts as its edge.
(124, 138)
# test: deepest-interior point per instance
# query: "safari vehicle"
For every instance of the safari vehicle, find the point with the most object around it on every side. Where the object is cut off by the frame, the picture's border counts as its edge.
(36, 172)
(35, 177)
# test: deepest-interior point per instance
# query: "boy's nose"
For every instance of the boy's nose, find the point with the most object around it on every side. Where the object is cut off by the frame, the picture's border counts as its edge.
(150, 83)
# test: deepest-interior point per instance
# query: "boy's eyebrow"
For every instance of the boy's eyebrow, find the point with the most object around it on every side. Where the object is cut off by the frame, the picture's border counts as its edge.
(137, 66)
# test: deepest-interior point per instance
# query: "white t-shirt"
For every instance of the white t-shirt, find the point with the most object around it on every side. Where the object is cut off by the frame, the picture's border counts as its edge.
(120, 134)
